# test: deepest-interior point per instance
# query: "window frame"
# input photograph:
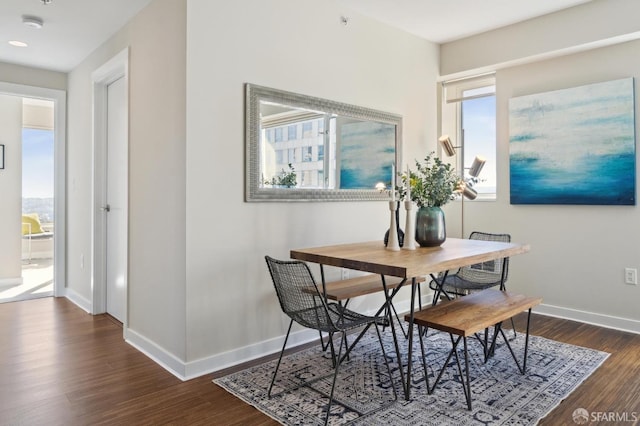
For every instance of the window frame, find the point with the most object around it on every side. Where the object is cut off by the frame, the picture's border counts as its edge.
(454, 93)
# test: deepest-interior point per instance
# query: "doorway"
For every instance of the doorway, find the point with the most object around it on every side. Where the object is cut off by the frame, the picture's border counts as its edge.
(111, 211)
(33, 263)
(38, 198)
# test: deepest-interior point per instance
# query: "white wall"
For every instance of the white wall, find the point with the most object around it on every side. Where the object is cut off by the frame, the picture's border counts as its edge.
(300, 47)
(11, 190)
(578, 253)
(17, 74)
(156, 282)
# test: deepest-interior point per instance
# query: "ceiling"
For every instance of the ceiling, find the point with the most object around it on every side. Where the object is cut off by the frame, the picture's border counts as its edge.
(442, 21)
(74, 28)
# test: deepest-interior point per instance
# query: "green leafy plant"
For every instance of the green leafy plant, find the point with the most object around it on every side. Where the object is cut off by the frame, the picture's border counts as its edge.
(286, 179)
(434, 183)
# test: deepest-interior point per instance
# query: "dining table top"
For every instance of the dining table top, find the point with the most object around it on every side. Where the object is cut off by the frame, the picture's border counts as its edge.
(373, 256)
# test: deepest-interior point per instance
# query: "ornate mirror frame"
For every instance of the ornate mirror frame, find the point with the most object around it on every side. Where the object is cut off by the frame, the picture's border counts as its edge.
(255, 190)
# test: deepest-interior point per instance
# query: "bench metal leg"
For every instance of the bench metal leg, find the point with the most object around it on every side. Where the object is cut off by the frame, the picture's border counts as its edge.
(488, 349)
(522, 368)
(424, 359)
(498, 330)
(464, 375)
(467, 392)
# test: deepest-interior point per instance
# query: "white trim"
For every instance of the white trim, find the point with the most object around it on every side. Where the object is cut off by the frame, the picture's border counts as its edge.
(114, 69)
(59, 98)
(208, 365)
(193, 369)
(601, 320)
(78, 300)
(159, 355)
(228, 359)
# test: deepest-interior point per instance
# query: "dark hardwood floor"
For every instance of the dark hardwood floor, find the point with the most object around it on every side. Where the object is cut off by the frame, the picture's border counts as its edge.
(62, 366)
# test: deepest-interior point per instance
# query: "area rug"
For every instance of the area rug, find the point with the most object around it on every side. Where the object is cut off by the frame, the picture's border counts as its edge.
(364, 396)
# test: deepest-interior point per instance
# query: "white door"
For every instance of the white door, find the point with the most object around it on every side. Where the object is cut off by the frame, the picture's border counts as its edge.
(116, 191)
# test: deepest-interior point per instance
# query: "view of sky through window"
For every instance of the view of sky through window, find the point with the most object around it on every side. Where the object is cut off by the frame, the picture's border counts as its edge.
(37, 173)
(479, 124)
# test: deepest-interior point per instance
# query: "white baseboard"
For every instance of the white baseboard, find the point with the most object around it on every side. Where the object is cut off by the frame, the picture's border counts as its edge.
(193, 369)
(601, 320)
(10, 282)
(165, 359)
(77, 299)
(607, 321)
(247, 353)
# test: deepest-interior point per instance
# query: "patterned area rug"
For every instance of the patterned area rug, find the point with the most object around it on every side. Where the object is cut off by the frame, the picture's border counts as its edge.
(363, 395)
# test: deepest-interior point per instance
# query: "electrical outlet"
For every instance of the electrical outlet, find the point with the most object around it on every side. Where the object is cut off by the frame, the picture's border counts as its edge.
(631, 276)
(82, 261)
(345, 274)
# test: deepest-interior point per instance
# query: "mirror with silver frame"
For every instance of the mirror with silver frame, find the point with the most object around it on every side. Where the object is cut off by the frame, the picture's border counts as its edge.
(303, 148)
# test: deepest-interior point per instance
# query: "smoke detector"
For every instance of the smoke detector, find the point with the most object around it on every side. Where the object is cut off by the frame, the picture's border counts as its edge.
(32, 21)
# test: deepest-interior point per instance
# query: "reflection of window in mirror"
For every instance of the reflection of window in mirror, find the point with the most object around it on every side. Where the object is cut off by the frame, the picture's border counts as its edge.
(307, 154)
(292, 132)
(307, 129)
(327, 150)
(469, 118)
(305, 146)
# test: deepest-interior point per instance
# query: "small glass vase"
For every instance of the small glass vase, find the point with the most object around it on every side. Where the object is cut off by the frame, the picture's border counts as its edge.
(430, 227)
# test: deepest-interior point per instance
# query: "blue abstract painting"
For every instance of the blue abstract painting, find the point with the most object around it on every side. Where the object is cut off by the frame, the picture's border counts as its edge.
(574, 146)
(367, 151)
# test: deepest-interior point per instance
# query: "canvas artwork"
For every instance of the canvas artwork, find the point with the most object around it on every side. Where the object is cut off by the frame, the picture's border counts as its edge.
(367, 151)
(574, 146)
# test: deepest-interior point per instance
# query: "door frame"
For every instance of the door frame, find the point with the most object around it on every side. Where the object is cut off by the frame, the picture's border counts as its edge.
(59, 98)
(114, 69)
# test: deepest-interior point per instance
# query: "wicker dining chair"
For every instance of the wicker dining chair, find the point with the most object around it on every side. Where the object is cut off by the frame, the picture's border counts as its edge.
(292, 281)
(481, 275)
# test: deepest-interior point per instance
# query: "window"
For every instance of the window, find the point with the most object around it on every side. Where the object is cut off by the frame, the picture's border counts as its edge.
(306, 154)
(307, 129)
(469, 118)
(479, 130)
(292, 132)
(298, 138)
(278, 134)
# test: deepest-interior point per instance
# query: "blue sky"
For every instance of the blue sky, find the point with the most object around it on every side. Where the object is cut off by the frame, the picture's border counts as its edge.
(37, 163)
(479, 124)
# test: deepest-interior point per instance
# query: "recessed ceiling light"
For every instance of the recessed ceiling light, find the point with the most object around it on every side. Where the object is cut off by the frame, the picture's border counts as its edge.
(32, 21)
(18, 43)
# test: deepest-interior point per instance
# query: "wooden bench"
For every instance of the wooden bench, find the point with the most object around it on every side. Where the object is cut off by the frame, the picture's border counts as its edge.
(469, 315)
(360, 286)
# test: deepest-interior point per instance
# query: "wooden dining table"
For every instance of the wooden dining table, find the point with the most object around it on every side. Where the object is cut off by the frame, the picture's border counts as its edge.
(373, 257)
